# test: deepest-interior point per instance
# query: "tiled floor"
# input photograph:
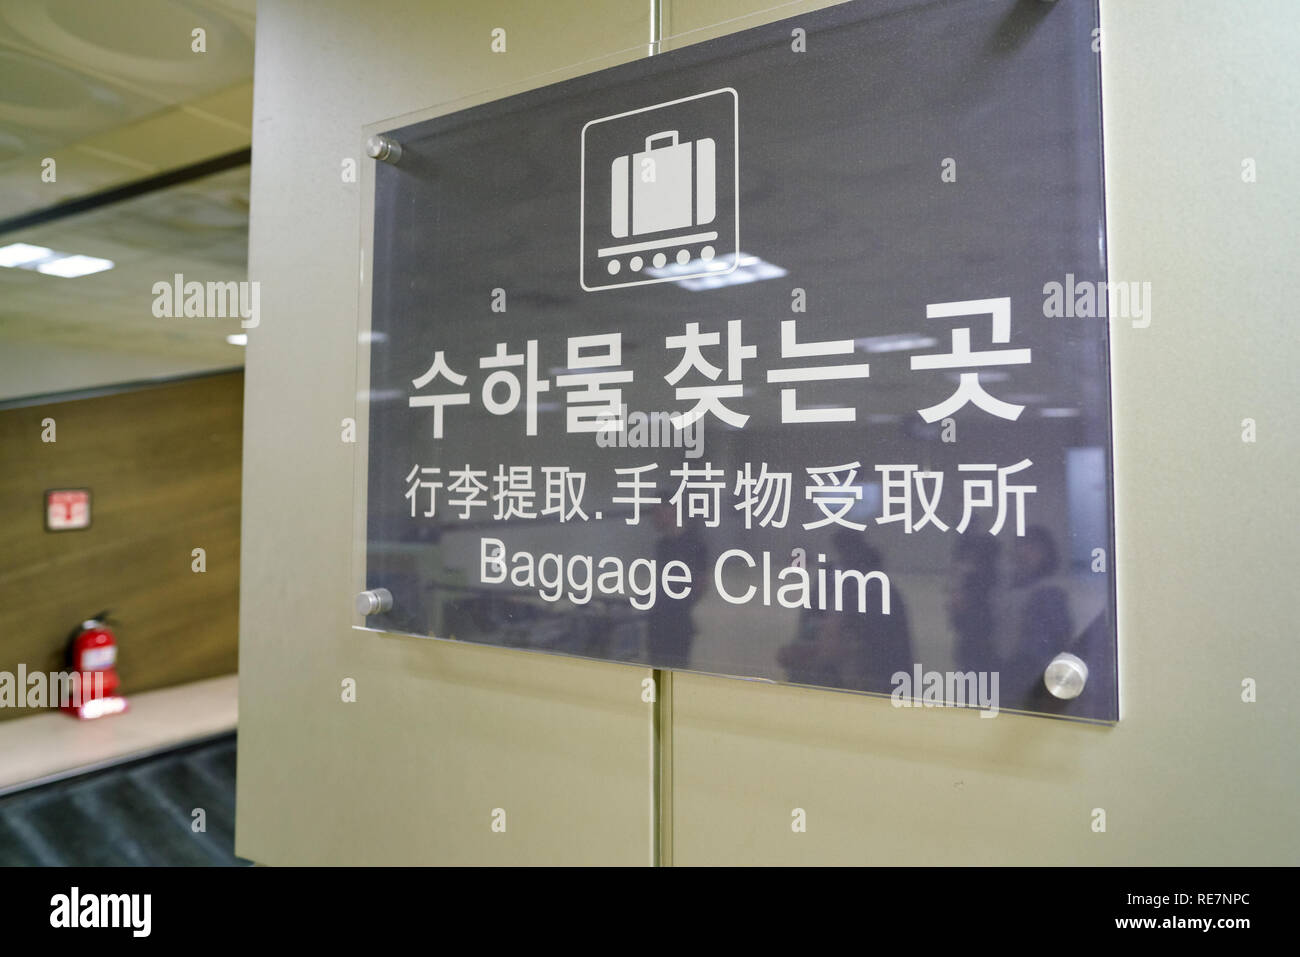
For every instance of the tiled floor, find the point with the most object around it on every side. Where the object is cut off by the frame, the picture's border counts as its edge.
(140, 813)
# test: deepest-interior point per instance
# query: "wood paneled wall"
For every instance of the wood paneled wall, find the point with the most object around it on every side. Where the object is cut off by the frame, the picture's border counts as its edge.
(163, 466)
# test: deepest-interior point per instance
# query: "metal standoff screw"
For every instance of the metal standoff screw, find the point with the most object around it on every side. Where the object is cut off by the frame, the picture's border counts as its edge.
(374, 601)
(1065, 676)
(383, 149)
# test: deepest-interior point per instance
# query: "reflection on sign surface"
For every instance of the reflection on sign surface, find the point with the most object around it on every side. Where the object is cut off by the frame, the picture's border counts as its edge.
(755, 360)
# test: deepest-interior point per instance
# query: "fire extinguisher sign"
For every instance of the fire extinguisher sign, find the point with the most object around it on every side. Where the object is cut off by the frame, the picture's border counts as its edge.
(67, 509)
(660, 190)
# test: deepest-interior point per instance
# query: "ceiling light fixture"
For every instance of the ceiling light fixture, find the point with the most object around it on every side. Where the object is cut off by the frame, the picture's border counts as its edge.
(749, 268)
(70, 267)
(23, 254)
(51, 262)
(898, 342)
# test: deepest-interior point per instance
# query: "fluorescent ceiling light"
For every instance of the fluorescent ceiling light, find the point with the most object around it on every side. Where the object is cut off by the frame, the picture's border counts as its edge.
(238, 339)
(1058, 413)
(70, 267)
(749, 268)
(897, 342)
(51, 262)
(1024, 398)
(986, 375)
(23, 254)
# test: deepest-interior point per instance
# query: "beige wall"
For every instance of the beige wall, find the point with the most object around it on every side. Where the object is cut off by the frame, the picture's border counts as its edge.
(439, 736)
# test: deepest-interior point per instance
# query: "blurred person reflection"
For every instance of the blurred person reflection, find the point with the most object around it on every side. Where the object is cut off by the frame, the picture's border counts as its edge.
(1035, 615)
(670, 623)
(970, 602)
(853, 649)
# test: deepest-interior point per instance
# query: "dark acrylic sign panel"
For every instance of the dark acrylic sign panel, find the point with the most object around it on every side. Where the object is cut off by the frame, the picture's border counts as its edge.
(771, 356)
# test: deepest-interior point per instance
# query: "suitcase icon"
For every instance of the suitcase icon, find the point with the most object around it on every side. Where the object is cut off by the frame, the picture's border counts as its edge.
(669, 211)
(658, 184)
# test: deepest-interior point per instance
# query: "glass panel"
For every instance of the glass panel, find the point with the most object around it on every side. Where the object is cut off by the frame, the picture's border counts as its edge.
(782, 355)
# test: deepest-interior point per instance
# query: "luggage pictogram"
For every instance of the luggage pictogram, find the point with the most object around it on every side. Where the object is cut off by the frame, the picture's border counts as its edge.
(660, 193)
(672, 186)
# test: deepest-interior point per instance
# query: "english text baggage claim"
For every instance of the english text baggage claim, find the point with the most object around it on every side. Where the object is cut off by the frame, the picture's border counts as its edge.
(579, 578)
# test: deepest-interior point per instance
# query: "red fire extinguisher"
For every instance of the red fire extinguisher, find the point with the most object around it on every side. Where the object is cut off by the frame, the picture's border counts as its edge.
(91, 660)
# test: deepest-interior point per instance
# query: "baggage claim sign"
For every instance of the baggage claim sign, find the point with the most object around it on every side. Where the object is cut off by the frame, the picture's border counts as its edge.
(751, 358)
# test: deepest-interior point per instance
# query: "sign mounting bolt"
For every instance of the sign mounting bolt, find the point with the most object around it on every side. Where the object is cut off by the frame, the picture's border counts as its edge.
(374, 601)
(1065, 676)
(384, 149)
